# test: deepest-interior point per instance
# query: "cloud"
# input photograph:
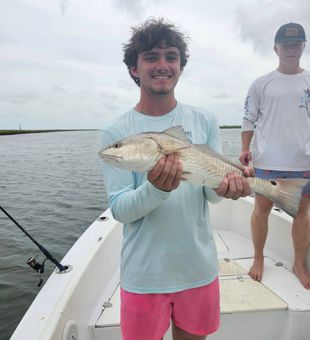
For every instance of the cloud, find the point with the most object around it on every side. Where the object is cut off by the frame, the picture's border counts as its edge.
(61, 61)
(63, 4)
(59, 90)
(18, 98)
(258, 23)
(135, 8)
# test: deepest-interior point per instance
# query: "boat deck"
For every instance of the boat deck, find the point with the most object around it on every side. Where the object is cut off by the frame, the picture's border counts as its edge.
(84, 303)
(267, 301)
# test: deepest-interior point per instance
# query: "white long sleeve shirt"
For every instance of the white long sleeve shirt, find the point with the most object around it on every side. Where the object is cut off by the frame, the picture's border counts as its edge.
(279, 105)
(168, 243)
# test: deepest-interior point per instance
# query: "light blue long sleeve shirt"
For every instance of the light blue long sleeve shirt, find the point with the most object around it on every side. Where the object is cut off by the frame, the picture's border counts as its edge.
(168, 243)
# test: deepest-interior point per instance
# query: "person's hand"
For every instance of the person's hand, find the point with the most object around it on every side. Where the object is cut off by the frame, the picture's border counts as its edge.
(234, 186)
(245, 157)
(248, 171)
(166, 174)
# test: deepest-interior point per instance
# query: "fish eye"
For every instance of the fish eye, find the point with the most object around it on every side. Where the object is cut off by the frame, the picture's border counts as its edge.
(273, 182)
(117, 145)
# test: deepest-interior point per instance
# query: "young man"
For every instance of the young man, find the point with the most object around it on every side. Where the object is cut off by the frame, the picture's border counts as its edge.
(168, 263)
(279, 104)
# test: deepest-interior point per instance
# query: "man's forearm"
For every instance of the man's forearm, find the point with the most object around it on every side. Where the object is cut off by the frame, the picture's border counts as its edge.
(246, 138)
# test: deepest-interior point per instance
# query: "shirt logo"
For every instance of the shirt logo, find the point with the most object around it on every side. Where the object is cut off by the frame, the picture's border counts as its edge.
(246, 106)
(189, 136)
(305, 101)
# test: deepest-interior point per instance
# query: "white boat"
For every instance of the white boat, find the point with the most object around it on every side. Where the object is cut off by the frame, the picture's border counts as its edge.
(83, 303)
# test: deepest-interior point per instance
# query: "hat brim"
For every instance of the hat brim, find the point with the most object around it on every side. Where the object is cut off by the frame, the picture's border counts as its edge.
(281, 41)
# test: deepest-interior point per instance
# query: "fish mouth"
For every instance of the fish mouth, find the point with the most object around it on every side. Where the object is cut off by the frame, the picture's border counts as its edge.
(111, 157)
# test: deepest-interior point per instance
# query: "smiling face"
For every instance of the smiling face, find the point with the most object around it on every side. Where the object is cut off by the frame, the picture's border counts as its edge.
(158, 70)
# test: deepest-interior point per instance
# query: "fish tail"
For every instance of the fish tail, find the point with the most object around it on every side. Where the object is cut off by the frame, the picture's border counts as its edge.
(288, 193)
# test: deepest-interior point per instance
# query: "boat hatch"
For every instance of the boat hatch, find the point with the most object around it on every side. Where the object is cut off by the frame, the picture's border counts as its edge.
(230, 267)
(244, 294)
(240, 293)
(220, 244)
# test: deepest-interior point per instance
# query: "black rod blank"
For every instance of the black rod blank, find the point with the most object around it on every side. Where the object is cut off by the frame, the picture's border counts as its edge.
(44, 251)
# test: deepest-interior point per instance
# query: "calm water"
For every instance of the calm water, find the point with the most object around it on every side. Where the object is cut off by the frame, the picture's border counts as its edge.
(52, 185)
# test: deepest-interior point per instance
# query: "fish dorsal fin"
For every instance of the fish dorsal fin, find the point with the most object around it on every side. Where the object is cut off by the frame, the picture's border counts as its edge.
(177, 132)
(206, 149)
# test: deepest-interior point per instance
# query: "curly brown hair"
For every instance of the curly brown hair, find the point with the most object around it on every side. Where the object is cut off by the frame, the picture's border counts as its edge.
(154, 33)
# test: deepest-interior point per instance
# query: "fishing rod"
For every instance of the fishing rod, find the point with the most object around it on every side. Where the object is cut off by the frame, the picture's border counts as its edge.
(32, 262)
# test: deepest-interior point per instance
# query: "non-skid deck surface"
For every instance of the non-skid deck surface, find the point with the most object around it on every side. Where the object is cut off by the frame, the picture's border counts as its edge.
(238, 294)
(279, 289)
(276, 278)
(230, 267)
(244, 294)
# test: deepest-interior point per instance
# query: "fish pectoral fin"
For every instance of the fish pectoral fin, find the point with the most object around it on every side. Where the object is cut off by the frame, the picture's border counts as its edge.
(176, 132)
(206, 149)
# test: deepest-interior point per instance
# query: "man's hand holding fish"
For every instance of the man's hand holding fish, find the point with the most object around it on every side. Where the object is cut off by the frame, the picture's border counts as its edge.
(235, 186)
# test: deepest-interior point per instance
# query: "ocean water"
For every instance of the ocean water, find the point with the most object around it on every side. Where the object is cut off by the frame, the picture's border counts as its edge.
(51, 184)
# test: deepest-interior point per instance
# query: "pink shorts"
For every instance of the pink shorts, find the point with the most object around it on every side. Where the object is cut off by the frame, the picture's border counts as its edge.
(147, 316)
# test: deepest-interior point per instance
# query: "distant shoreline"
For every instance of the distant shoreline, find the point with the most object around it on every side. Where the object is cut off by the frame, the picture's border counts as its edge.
(19, 132)
(230, 127)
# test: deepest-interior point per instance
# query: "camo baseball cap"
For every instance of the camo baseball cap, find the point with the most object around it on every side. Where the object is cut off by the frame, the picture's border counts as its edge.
(290, 32)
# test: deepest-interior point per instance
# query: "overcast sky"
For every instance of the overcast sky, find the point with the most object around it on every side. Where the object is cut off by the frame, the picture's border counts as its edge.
(61, 60)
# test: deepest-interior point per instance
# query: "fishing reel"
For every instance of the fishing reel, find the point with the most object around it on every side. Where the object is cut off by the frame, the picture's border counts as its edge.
(32, 261)
(37, 266)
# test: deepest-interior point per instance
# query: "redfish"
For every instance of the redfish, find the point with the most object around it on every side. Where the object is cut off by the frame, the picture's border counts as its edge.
(201, 165)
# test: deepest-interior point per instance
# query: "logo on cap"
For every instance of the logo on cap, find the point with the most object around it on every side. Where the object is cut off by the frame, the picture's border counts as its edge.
(291, 32)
